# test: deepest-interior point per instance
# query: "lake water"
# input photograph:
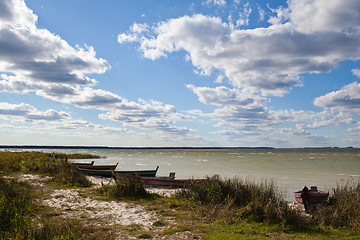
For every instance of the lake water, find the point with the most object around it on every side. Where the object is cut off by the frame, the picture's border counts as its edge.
(289, 169)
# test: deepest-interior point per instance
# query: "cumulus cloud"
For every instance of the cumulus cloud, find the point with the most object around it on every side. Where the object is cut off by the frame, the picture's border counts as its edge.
(30, 113)
(347, 99)
(222, 96)
(36, 60)
(40, 56)
(149, 115)
(270, 59)
(243, 114)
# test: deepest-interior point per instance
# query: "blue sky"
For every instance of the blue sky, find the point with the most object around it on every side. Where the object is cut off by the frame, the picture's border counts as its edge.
(180, 73)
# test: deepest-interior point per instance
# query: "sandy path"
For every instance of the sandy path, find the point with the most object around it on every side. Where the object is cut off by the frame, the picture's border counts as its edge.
(73, 204)
(78, 204)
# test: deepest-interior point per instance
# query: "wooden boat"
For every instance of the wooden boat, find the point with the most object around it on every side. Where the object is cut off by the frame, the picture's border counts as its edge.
(165, 182)
(162, 182)
(315, 196)
(78, 164)
(98, 167)
(107, 172)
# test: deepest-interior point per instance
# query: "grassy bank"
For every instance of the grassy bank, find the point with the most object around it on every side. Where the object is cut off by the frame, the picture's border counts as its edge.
(20, 215)
(209, 209)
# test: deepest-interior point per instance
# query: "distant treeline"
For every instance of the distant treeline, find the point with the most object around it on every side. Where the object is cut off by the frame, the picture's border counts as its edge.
(153, 148)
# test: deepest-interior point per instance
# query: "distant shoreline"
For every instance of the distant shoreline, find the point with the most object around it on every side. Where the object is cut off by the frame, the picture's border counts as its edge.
(160, 148)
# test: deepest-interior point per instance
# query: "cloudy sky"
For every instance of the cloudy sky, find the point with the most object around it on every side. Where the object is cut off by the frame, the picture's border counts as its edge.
(180, 73)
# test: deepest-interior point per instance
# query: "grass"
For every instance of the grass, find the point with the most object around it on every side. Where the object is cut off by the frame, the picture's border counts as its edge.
(343, 208)
(244, 200)
(18, 209)
(20, 215)
(126, 188)
(51, 164)
(209, 209)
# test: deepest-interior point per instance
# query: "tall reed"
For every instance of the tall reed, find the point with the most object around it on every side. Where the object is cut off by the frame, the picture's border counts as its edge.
(43, 163)
(260, 202)
(343, 208)
(126, 187)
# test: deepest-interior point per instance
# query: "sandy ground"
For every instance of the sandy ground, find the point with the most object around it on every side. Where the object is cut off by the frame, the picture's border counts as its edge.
(75, 203)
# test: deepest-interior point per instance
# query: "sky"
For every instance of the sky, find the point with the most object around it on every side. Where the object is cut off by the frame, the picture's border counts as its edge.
(225, 73)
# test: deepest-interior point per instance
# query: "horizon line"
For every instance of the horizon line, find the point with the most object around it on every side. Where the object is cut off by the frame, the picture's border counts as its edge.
(183, 147)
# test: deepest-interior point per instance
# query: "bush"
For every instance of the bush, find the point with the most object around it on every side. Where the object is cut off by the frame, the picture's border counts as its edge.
(15, 207)
(126, 187)
(43, 163)
(343, 207)
(259, 202)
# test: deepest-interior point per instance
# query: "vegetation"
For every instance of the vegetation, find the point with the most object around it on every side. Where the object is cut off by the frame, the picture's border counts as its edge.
(126, 188)
(51, 164)
(209, 209)
(342, 210)
(18, 207)
(258, 202)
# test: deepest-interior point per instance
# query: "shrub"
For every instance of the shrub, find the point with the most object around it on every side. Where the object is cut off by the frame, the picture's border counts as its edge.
(342, 209)
(15, 207)
(43, 163)
(126, 187)
(259, 202)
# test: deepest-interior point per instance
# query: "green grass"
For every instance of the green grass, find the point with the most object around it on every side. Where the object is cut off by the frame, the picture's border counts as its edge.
(343, 208)
(210, 209)
(126, 188)
(62, 171)
(244, 200)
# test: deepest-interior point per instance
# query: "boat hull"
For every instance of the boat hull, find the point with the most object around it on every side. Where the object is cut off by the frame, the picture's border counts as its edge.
(314, 197)
(97, 167)
(165, 182)
(107, 172)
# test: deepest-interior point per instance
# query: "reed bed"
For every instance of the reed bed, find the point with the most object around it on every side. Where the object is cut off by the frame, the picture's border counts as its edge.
(343, 207)
(259, 202)
(51, 164)
(125, 188)
(20, 218)
(20, 215)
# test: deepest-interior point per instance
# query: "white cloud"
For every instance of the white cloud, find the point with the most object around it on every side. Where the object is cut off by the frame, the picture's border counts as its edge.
(222, 96)
(244, 15)
(30, 113)
(356, 72)
(215, 2)
(261, 13)
(346, 100)
(269, 59)
(36, 60)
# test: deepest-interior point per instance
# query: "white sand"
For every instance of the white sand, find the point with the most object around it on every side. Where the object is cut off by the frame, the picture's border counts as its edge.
(73, 204)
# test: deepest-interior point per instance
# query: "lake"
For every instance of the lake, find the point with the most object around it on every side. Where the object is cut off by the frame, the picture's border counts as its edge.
(289, 169)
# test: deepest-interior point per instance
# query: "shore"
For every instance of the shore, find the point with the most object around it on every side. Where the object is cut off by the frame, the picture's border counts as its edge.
(78, 204)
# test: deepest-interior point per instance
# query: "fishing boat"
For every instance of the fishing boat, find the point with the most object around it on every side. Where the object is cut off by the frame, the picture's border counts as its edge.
(107, 172)
(162, 182)
(78, 164)
(98, 167)
(166, 182)
(313, 195)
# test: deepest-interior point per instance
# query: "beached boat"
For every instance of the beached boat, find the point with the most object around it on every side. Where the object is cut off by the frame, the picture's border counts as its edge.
(166, 182)
(98, 167)
(162, 182)
(107, 172)
(313, 196)
(78, 164)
